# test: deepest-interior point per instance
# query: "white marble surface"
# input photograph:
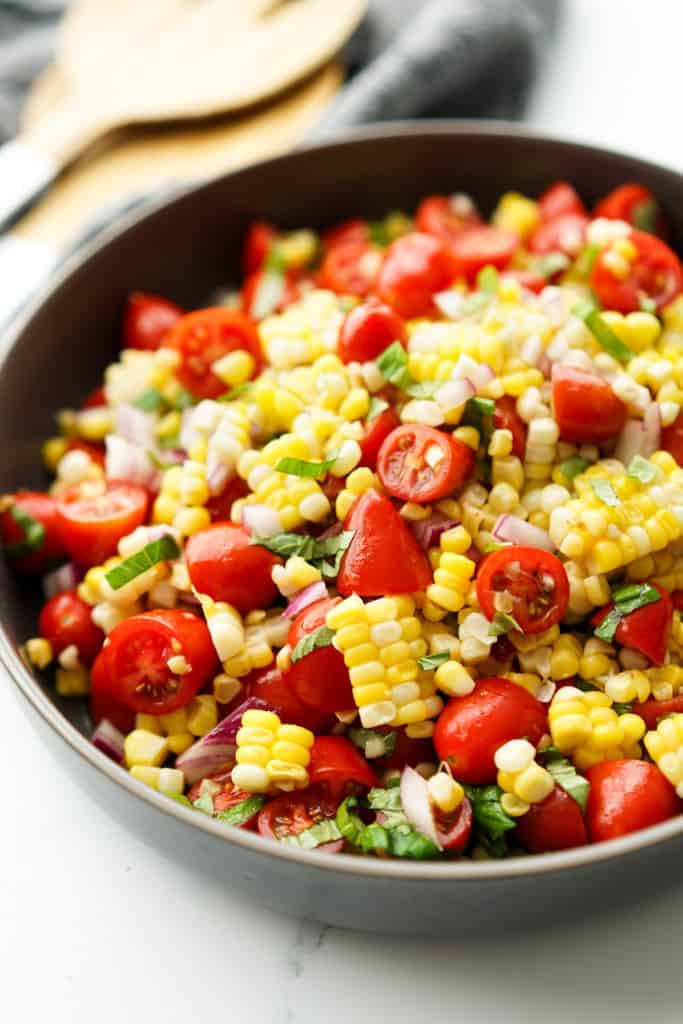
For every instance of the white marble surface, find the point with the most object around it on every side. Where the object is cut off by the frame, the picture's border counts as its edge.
(94, 926)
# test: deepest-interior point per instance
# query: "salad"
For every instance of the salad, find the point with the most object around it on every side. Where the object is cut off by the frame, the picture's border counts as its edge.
(383, 553)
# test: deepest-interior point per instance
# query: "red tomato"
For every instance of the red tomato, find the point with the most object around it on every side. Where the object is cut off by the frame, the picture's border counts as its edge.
(95, 451)
(223, 563)
(677, 599)
(349, 268)
(636, 205)
(419, 463)
(93, 400)
(290, 291)
(529, 279)
(506, 417)
(565, 234)
(383, 556)
(260, 237)
(29, 530)
(470, 729)
(651, 711)
(585, 406)
(135, 660)
(335, 761)
(554, 824)
(205, 336)
(625, 796)
(535, 581)
(656, 274)
(559, 199)
(375, 432)
(147, 320)
(320, 679)
(406, 751)
(672, 439)
(220, 505)
(92, 518)
(445, 217)
(482, 247)
(65, 620)
(276, 689)
(647, 629)
(102, 702)
(415, 267)
(229, 796)
(367, 330)
(454, 830)
(352, 230)
(295, 812)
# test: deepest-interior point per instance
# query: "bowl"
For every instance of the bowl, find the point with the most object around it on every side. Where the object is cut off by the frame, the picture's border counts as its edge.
(185, 249)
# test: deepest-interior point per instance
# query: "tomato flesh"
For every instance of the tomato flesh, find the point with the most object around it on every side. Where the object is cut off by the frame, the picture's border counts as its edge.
(293, 813)
(92, 518)
(336, 762)
(555, 823)
(205, 336)
(652, 711)
(349, 268)
(625, 796)
(636, 205)
(31, 555)
(559, 199)
(672, 439)
(225, 565)
(147, 320)
(414, 269)
(367, 330)
(655, 275)
(421, 464)
(103, 703)
(647, 629)
(375, 432)
(506, 417)
(565, 234)
(529, 584)
(445, 217)
(228, 796)
(260, 237)
(320, 679)
(454, 830)
(65, 620)
(480, 247)
(275, 688)
(585, 406)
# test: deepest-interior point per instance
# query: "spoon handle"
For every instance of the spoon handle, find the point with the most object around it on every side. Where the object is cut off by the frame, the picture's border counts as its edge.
(25, 172)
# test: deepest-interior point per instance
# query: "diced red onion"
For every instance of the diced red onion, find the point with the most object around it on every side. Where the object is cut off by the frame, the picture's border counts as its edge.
(652, 428)
(335, 847)
(64, 578)
(134, 425)
(427, 532)
(216, 750)
(217, 476)
(450, 303)
(481, 376)
(109, 740)
(261, 520)
(474, 554)
(417, 805)
(514, 530)
(454, 393)
(545, 366)
(308, 595)
(532, 350)
(630, 441)
(130, 462)
(188, 434)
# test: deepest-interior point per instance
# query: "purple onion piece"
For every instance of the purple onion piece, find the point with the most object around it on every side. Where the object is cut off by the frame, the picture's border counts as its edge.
(109, 740)
(308, 595)
(216, 750)
(427, 532)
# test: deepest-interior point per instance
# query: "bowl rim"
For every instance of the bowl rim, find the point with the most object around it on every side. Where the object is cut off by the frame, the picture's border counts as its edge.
(364, 867)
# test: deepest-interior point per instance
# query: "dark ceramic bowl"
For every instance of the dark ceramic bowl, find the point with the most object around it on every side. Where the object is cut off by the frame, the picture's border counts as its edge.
(185, 249)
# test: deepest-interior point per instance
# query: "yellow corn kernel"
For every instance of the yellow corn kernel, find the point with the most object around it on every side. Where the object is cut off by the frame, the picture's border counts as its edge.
(150, 723)
(52, 451)
(364, 675)
(144, 748)
(351, 636)
(39, 651)
(191, 520)
(445, 792)
(513, 806)
(454, 679)
(534, 784)
(179, 742)
(202, 714)
(347, 613)
(73, 682)
(518, 214)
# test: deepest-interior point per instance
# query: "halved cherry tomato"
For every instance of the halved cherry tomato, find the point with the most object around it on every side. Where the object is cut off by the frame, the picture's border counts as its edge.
(414, 269)
(367, 330)
(454, 829)
(290, 291)
(229, 796)
(219, 506)
(96, 452)
(319, 679)
(470, 729)
(375, 432)
(31, 549)
(103, 704)
(383, 556)
(656, 274)
(276, 689)
(672, 439)
(65, 620)
(652, 711)
(506, 417)
(647, 629)
(353, 230)
(566, 234)
(585, 406)
(558, 199)
(445, 217)
(223, 563)
(419, 463)
(135, 660)
(336, 762)
(94, 399)
(625, 796)
(407, 750)
(532, 580)
(205, 336)
(554, 824)
(147, 320)
(92, 518)
(260, 237)
(481, 247)
(349, 268)
(293, 813)
(636, 205)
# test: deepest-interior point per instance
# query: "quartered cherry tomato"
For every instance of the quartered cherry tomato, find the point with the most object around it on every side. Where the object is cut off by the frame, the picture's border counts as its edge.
(655, 275)
(147, 320)
(319, 679)
(481, 247)
(454, 829)
(103, 704)
(585, 406)
(276, 689)
(229, 796)
(554, 824)
(223, 563)
(30, 533)
(260, 237)
(636, 205)
(506, 417)
(289, 293)
(375, 432)
(625, 796)
(349, 268)
(421, 464)
(205, 336)
(652, 711)
(672, 439)
(293, 813)
(219, 506)
(135, 660)
(367, 330)
(559, 199)
(566, 234)
(647, 629)
(415, 267)
(336, 762)
(93, 517)
(446, 217)
(532, 580)
(383, 556)
(470, 729)
(65, 620)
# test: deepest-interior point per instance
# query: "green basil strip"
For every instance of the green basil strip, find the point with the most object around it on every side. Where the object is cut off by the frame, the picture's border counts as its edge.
(163, 550)
(503, 623)
(429, 661)
(487, 280)
(300, 467)
(32, 529)
(321, 637)
(393, 363)
(317, 552)
(377, 405)
(373, 743)
(243, 811)
(325, 831)
(149, 401)
(601, 331)
(574, 466)
(566, 775)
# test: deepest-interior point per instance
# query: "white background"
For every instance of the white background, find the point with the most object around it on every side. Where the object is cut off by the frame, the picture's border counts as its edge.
(95, 927)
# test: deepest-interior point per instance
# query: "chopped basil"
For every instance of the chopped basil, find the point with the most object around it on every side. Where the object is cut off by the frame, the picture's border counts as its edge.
(325, 831)
(487, 280)
(601, 331)
(423, 388)
(494, 545)
(393, 363)
(553, 263)
(184, 399)
(300, 467)
(429, 661)
(236, 392)
(162, 550)
(387, 800)
(204, 803)
(574, 466)
(486, 406)
(372, 742)
(647, 304)
(490, 820)
(321, 637)
(641, 469)
(373, 838)
(394, 836)
(608, 627)
(566, 775)
(478, 412)
(149, 401)
(405, 841)
(622, 709)
(243, 811)
(32, 529)
(645, 215)
(503, 623)
(315, 551)
(627, 599)
(605, 492)
(378, 233)
(377, 405)
(586, 259)
(348, 823)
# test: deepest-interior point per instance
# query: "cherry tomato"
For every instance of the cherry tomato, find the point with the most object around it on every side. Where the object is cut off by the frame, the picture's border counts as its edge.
(260, 237)
(102, 702)
(419, 463)
(147, 320)
(220, 505)
(625, 796)
(554, 824)
(349, 268)
(636, 205)
(506, 417)
(92, 518)
(566, 234)
(336, 762)
(647, 629)
(383, 556)
(677, 599)
(470, 729)
(276, 689)
(672, 439)
(559, 199)
(135, 660)
(375, 432)
(533, 580)
(367, 330)
(65, 620)
(319, 679)
(656, 274)
(223, 563)
(481, 247)
(651, 711)
(454, 829)
(529, 279)
(293, 813)
(229, 796)
(445, 217)
(352, 230)
(205, 336)
(290, 291)
(585, 406)
(406, 751)
(415, 267)
(94, 399)
(29, 530)
(96, 452)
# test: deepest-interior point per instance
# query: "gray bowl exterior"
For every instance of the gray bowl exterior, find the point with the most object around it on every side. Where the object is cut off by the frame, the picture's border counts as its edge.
(185, 250)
